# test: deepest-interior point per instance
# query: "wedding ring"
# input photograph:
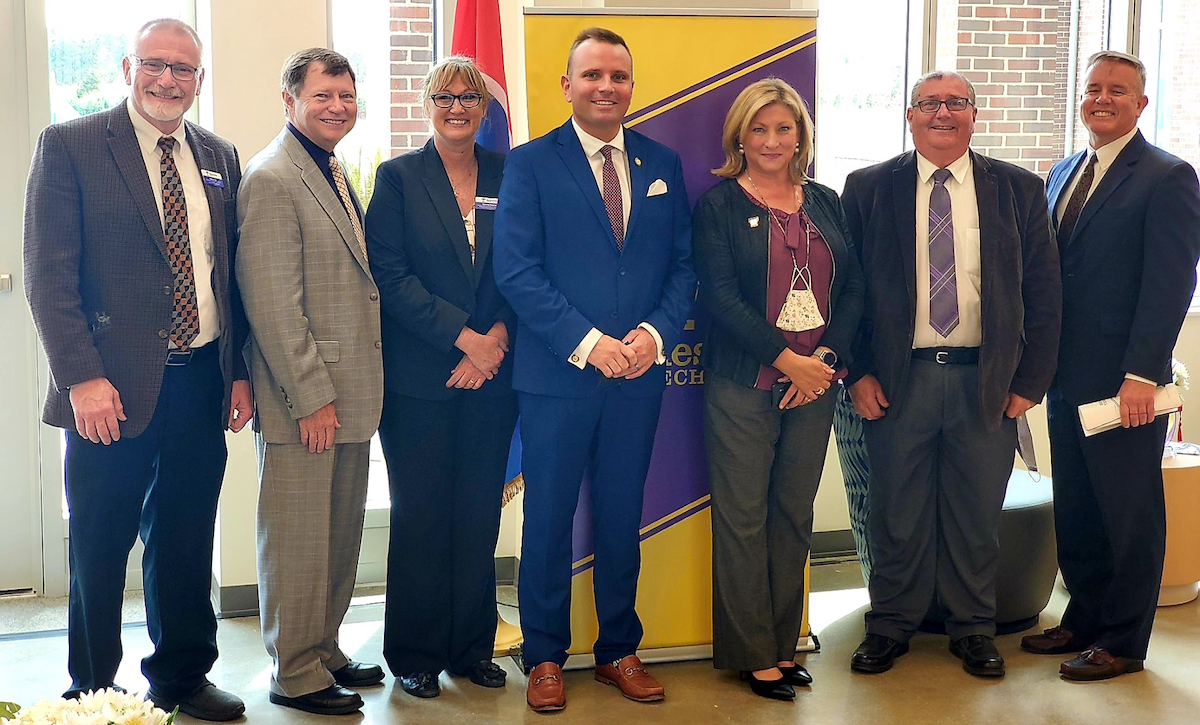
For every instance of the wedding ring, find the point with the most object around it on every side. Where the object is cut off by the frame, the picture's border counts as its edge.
(471, 381)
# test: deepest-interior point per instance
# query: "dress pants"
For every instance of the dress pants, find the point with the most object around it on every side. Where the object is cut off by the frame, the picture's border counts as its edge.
(764, 467)
(310, 520)
(446, 461)
(938, 479)
(1110, 520)
(162, 484)
(611, 435)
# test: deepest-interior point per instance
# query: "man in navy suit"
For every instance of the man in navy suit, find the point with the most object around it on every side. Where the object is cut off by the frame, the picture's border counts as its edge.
(1128, 221)
(592, 248)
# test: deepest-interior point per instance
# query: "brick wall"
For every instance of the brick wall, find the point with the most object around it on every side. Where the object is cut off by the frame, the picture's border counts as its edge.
(411, 37)
(1009, 50)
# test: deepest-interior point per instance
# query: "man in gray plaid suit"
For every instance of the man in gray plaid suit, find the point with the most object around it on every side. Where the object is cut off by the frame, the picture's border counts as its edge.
(130, 233)
(316, 361)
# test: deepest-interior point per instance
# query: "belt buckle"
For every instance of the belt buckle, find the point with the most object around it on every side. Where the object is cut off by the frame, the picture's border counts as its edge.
(178, 358)
(942, 357)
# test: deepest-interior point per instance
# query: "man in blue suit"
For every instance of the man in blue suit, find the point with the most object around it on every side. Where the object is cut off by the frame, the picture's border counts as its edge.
(1128, 220)
(592, 248)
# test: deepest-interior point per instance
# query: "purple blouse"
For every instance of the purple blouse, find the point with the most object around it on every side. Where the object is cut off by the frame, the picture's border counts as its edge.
(780, 268)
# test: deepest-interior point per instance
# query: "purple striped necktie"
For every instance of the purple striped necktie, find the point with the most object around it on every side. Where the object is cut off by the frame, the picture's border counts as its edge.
(943, 292)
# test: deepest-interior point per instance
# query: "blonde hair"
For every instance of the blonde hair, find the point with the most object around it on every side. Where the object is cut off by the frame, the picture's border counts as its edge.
(456, 67)
(746, 106)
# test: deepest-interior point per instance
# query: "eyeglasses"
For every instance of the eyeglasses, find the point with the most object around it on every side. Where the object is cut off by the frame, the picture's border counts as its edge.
(470, 99)
(155, 69)
(931, 105)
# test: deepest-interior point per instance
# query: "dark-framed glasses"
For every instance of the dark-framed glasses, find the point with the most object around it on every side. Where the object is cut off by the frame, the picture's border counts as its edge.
(155, 68)
(931, 105)
(470, 99)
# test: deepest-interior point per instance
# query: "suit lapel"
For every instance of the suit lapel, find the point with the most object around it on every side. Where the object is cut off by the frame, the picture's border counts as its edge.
(1121, 168)
(638, 180)
(319, 186)
(1059, 184)
(441, 193)
(577, 164)
(490, 175)
(987, 199)
(206, 159)
(122, 141)
(904, 199)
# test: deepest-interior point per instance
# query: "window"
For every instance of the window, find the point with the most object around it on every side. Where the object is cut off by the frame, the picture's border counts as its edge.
(87, 41)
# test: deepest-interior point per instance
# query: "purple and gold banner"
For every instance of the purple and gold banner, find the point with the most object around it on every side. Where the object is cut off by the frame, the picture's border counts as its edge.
(687, 70)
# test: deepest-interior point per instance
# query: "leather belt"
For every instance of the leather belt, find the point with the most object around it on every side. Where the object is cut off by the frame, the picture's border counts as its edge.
(179, 358)
(948, 355)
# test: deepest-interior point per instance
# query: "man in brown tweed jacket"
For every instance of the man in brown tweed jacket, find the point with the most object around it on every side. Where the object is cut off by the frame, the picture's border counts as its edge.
(130, 233)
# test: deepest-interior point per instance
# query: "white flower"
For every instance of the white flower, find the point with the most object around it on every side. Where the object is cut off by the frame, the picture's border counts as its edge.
(1179, 374)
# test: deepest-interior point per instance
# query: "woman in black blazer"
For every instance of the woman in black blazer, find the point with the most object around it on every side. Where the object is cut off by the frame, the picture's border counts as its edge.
(785, 293)
(448, 406)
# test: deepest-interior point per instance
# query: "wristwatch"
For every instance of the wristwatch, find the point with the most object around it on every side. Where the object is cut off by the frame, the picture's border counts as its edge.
(827, 356)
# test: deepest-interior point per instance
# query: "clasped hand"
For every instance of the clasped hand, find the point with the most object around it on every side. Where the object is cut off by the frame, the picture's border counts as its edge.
(628, 358)
(482, 357)
(809, 378)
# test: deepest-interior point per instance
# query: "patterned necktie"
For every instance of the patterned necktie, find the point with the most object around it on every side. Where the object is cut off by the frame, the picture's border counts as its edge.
(1078, 199)
(612, 197)
(185, 316)
(943, 292)
(339, 179)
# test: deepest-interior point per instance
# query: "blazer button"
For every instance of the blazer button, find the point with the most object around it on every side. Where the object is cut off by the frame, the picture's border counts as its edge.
(167, 289)
(162, 334)
(378, 344)
(621, 271)
(614, 315)
(374, 296)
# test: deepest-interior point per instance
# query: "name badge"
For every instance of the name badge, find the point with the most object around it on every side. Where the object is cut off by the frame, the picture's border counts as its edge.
(486, 203)
(212, 178)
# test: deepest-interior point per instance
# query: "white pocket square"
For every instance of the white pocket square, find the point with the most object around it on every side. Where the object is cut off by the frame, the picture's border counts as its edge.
(658, 187)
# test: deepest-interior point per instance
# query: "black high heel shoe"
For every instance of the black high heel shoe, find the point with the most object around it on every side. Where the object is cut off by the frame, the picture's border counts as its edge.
(796, 675)
(773, 689)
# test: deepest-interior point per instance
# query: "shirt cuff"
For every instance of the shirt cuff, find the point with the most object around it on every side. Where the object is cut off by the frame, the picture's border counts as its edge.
(584, 348)
(1140, 379)
(660, 358)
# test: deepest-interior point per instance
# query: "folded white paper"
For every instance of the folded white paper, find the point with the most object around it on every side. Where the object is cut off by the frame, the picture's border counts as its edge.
(1105, 414)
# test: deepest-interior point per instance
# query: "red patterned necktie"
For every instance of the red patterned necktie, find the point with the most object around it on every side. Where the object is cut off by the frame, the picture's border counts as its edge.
(612, 197)
(185, 317)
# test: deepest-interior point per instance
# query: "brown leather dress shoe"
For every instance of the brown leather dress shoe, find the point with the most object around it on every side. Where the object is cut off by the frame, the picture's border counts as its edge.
(1097, 664)
(628, 676)
(545, 690)
(1053, 641)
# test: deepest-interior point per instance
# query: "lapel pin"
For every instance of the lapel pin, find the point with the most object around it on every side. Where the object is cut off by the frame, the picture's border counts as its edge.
(753, 222)
(637, 161)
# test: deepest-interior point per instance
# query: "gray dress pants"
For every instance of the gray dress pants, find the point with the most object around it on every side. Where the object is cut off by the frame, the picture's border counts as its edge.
(764, 465)
(938, 478)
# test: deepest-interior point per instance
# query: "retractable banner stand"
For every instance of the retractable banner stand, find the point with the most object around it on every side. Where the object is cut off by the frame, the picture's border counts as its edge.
(688, 68)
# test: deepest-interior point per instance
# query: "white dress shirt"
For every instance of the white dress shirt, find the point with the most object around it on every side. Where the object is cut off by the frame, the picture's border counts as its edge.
(199, 220)
(964, 212)
(591, 149)
(1105, 156)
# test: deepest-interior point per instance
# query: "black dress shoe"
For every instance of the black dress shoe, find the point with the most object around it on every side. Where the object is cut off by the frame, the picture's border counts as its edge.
(979, 655)
(796, 675)
(358, 674)
(876, 654)
(771, 689)
(421, 684)
(206, 702)
(484, 673)
(333, 700)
